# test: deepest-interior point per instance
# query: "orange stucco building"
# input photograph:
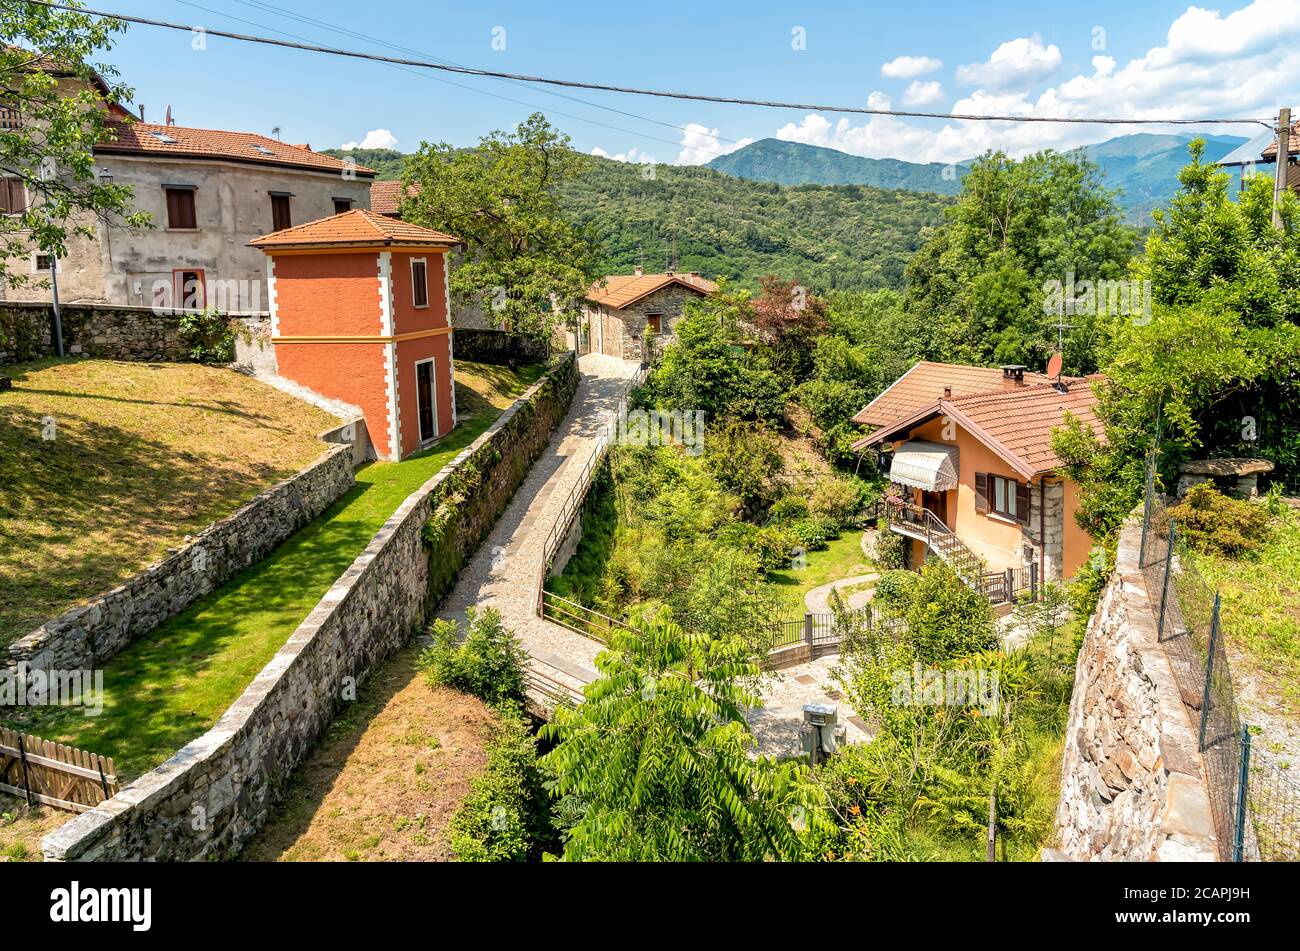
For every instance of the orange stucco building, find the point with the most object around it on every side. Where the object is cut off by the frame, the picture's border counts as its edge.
(359, 313)
(970, 451)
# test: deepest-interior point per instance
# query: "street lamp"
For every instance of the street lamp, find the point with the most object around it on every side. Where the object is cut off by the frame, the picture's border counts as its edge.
(47, 173)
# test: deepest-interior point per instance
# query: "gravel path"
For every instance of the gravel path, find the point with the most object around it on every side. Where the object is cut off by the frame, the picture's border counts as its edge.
(503, 572)
(818, 600)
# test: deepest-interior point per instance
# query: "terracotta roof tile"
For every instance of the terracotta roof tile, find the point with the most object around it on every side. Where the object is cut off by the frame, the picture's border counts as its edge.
(356, 228)
(386, 198)
(144, 138)
(925, 383)
(1293, 145)
(619, 290)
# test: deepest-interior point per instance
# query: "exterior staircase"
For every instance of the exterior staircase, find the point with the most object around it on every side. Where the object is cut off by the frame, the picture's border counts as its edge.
(920, 523)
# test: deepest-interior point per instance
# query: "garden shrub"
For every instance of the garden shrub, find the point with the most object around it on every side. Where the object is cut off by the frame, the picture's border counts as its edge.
(208, 335)
(789, 508)
(947, 619)
(489, 663)
(772, 545)
(811, 534)
(504, 818)
(895, 588)
(1214, 523)
(835, 500)
(889, 548)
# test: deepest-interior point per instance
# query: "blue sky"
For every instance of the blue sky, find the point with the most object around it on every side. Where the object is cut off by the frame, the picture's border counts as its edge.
(1147, 58)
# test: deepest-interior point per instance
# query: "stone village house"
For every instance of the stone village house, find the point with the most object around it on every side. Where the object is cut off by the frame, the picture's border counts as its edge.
(969, 450)
(209, 193)
(624, 311)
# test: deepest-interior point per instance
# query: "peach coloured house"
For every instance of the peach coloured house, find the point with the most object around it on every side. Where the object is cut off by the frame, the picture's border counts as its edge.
(359, 313)
(969, 450)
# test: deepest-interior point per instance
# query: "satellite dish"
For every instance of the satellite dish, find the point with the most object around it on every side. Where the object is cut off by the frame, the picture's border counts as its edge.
(1054, 366)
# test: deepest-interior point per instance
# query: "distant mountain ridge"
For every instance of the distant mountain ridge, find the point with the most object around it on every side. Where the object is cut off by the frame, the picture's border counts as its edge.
(1143, 166)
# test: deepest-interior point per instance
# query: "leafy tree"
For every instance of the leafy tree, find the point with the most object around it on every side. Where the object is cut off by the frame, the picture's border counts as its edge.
(947, 618)
(788, 319)
(979, 280)
(656, 765)
(745, 458)
(525, 258)
(47, 74)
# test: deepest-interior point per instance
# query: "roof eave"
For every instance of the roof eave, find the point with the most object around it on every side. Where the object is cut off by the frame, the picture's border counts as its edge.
(944, 408)
(114, 148)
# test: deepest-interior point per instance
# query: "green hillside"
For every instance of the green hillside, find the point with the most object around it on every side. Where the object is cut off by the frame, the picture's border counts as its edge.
(1143, 167)
(846, 237)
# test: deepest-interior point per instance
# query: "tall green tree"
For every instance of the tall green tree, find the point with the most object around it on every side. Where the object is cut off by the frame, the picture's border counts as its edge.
(657, 764)
(61, 100)
(526, 263)
(1017, 225)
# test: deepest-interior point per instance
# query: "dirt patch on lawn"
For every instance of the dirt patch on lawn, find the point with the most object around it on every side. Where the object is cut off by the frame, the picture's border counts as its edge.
(21, 828)
(387, 778)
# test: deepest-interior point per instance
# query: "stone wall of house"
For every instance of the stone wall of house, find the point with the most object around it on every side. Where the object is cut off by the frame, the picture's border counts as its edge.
(209, 799)
(498, 347)
(87, 636)
(1045, 532)
(92, 330)
(1131, 782)
(624, 330)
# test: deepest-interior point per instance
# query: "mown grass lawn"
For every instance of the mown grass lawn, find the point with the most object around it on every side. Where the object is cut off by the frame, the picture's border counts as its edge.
(105, 465)
(173, 685)
(842, 558)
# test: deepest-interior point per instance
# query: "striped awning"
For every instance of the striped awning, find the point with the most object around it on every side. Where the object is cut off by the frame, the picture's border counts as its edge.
(925, 465)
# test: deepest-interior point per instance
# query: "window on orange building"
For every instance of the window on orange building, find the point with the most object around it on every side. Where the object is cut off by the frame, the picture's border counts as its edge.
(420, 282)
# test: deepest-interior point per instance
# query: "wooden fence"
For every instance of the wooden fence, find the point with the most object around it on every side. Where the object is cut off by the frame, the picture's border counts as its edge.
(53, 774)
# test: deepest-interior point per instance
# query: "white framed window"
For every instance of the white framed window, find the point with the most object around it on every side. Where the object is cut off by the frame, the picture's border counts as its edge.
(420, 282)
(42, 262)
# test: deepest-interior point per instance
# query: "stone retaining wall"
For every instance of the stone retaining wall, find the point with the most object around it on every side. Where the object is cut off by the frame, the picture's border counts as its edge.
(497, 346)
(1132, 784)
(87, 636)
(209, 799)
(92, 330)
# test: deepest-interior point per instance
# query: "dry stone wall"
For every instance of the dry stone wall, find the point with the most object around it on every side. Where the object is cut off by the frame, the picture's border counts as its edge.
(86, 636)
(210, 798)
(113, 333)
(1132, 785)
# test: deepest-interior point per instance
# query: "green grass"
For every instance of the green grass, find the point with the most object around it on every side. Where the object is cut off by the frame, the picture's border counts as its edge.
(1261, 610)
(165, 690)
(842, 558)
(134, 457)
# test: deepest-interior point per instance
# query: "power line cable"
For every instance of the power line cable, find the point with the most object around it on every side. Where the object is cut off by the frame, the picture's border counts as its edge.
(633, 90)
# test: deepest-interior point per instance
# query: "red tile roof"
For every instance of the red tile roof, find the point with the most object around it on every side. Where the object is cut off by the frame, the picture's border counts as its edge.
(357, 228)
(1015, 423)
(386, 198)
(1293, 145)
(143, 138)
(619, 290)
(925, 383)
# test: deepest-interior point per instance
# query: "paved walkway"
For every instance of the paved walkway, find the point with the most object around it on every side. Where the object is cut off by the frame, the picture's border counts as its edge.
(818, 600)
(503, 572)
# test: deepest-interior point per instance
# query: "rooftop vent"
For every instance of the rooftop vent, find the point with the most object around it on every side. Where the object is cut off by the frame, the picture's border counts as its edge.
(1013, 375)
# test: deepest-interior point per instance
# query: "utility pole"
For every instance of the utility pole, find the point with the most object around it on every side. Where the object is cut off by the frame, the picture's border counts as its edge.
(1283, 160)
(47, 174)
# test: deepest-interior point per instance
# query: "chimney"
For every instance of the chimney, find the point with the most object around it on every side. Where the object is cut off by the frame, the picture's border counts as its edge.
(947, 392)
(639, 271)
(142, 112)
(1013, 375)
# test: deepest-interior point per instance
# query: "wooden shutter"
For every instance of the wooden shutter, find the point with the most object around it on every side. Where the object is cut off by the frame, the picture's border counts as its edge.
(281, 218)
(180, 208)
(13, 196)
(420, 283)
(1022, 504)
(981, 491)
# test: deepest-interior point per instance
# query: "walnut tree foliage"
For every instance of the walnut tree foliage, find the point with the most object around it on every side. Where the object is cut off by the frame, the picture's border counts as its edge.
(525, 261)
(48, 79)
(657, 764)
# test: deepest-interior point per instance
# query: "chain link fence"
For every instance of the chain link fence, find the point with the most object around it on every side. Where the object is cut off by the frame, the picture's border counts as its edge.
(1255, 801)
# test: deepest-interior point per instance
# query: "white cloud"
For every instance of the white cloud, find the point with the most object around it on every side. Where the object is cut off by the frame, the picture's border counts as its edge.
(1017, 63)
(1242, 64)
(374, 139)
(631, 155)
(700, 144)
(922, 93)
(909, 67)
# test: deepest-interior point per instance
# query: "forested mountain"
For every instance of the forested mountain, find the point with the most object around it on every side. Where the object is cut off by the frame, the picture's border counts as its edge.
(1143, 167)
(846, 237)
